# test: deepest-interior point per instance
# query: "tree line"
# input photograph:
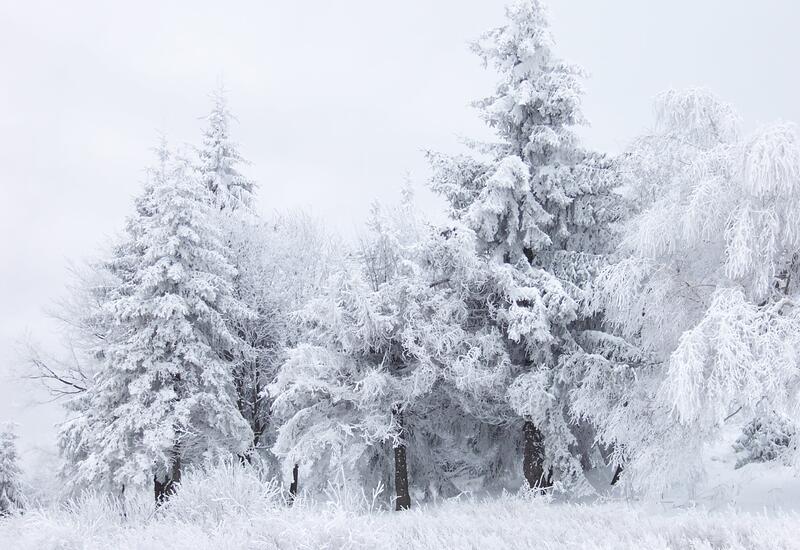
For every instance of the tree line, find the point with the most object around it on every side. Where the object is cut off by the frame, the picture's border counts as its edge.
(579, 316)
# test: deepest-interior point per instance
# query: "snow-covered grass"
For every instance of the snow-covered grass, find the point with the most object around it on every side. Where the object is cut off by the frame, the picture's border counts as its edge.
(231, 508)
(503, 523)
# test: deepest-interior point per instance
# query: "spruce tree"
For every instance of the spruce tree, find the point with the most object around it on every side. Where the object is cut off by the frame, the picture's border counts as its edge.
(164, 397)
(220, 161)
(232, 195)
(542, 209)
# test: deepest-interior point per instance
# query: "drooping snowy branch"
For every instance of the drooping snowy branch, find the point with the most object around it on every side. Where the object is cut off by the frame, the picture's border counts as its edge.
(707, 283)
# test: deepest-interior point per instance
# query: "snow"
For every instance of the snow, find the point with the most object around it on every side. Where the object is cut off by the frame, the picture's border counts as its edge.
(232, 508)
(577, 316)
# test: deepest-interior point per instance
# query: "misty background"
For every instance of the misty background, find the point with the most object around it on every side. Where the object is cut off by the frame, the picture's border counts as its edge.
(335, 103)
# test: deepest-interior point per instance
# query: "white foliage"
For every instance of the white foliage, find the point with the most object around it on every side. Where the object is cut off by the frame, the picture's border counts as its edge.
(766, 438)
(220, 160)
(707, 286)
(696, 117)
(543, 211)
(507, 212)
(165, 391)
(281, 263)
(371, 337)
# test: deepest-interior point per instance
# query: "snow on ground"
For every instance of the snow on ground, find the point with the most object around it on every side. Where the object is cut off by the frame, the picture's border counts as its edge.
(757, 487)
(504, 523)
(232, 509)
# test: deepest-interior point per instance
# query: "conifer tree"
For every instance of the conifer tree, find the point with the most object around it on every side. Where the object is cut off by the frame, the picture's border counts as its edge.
(220, 160)
(232, 195)
(541, 207)
(10, 486)
(165, 395)
(279, 262)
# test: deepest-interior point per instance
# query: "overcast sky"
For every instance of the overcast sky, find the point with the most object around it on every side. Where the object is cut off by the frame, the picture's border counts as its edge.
(335, 102)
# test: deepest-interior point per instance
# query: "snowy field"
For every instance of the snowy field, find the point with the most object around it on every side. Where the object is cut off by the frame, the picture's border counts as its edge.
(497, 524)
(232, 509)
(256, 357)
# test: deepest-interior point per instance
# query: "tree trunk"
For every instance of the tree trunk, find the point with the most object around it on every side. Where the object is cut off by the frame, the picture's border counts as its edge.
(258, 430)
(293, 487)
(164, 489)
(617, 473)
(533, 457)
(403, 500)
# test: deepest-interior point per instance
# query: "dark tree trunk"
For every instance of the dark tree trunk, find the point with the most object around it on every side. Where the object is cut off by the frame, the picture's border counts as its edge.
(533, 457)
(403, 500)
(258, 431)
(617, 474)
(159, 491)
(164, 489)
(294, 486)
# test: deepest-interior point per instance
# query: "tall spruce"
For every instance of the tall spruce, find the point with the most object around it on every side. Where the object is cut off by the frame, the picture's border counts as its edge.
(232, 196)
(542, 206)
(164, 397)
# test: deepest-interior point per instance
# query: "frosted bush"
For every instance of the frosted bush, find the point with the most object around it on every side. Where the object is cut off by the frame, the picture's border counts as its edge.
(209, 496)
(764, 439)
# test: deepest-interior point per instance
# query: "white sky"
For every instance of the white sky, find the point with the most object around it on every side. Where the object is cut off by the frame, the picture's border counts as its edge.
(335, 102)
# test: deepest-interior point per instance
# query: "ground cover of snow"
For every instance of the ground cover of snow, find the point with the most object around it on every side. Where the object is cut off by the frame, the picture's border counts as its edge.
(232, 509)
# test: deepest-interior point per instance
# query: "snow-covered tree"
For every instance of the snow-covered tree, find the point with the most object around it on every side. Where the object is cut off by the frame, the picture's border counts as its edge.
(371, 389)
(165, 395)
(281, 263)
(407, 355)
(542, 209)
(10, 486)
(707, 287)
(220, 160)
(247, 249)
(344, 392)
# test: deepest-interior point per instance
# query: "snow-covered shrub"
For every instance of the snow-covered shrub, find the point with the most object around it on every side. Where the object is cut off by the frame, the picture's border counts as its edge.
(210, 495)
(764, 438)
